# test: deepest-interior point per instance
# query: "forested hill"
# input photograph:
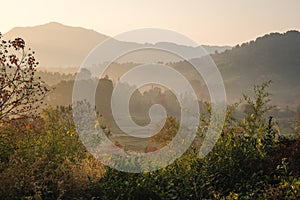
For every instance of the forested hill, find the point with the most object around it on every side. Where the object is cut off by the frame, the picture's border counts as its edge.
(273, 57)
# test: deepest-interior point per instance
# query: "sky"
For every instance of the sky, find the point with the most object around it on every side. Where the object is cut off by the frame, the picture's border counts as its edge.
(210, 22)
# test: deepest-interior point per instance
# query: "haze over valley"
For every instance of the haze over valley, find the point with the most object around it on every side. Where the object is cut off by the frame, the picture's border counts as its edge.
(150, 99)
(275, 57)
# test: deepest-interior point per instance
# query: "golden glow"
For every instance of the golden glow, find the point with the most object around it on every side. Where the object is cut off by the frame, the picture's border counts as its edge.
(213, 22)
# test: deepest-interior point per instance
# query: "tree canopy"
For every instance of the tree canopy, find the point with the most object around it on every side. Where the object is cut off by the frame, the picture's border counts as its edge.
(21, 91)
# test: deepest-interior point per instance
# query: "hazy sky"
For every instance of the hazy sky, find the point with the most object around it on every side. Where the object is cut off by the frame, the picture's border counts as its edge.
(211, 22)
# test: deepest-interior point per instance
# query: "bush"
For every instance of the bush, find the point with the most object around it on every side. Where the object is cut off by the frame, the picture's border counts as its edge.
(242, 164)
(44, 158)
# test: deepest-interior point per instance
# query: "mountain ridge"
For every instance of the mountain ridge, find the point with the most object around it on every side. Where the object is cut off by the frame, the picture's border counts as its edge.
(274, 56)
(59, 45)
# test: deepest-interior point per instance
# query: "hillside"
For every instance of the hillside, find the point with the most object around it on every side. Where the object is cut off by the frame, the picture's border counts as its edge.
(57, 45)
(61, 46)
(273, 57)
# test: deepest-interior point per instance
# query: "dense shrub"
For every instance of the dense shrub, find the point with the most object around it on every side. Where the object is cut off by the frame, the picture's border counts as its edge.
(43, 158)
(244, 164)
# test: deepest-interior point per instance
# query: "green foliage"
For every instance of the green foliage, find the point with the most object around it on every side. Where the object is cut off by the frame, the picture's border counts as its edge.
(167, 133)
(240, 166)
(44, 159)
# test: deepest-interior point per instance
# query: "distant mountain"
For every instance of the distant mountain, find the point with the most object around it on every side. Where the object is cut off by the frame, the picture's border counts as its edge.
(273, 57)
(58, 45)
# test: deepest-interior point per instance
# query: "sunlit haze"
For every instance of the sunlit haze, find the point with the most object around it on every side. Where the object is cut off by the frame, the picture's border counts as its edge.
(208, 22)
